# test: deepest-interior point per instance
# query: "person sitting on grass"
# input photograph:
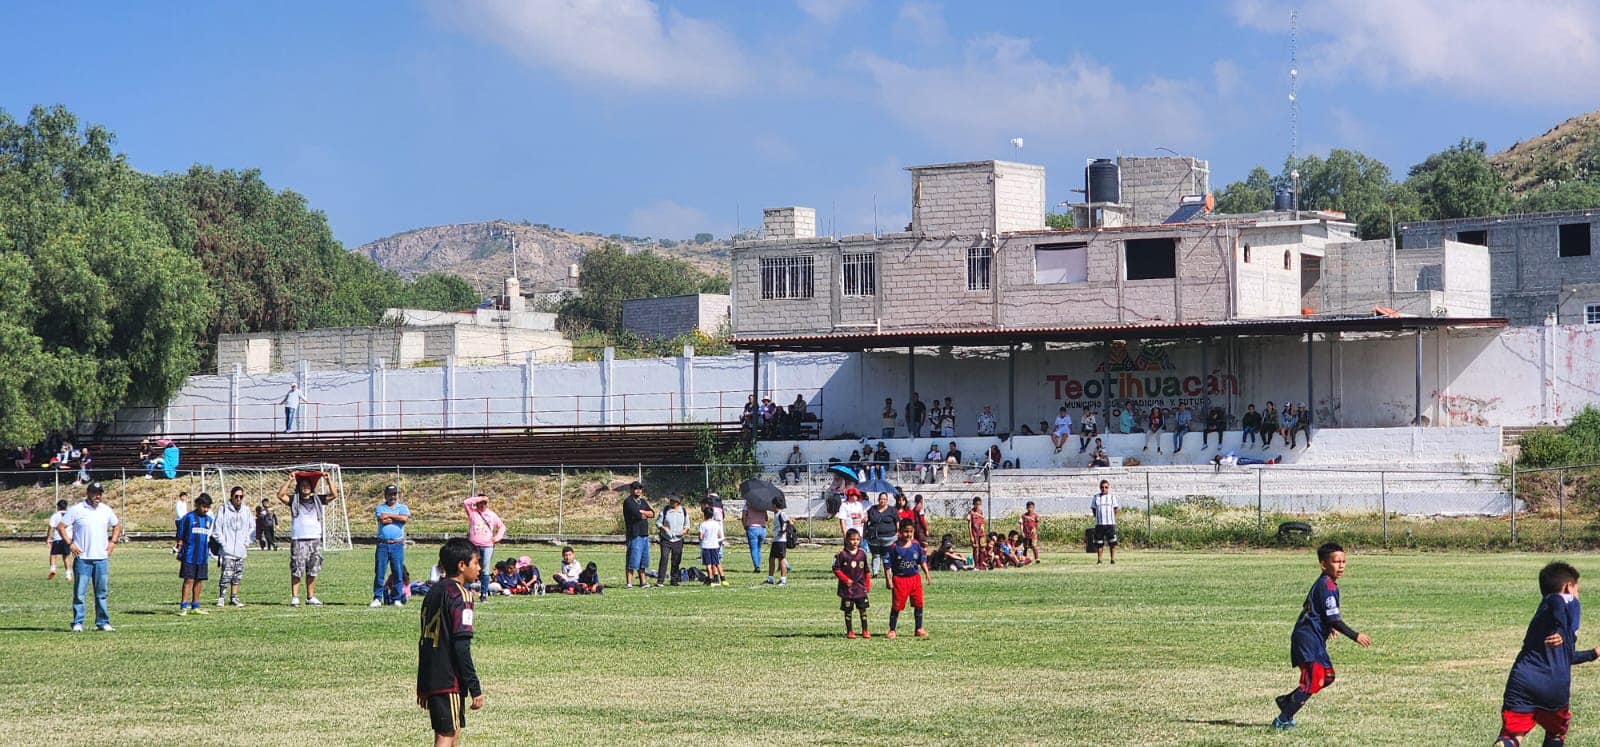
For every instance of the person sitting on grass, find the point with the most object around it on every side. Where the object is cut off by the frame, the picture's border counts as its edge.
(589, 580)
(566, 581)
(1014, 542)
(504, 581)
(528, 573)
(193, 548)
(446, 677)
(946, 558)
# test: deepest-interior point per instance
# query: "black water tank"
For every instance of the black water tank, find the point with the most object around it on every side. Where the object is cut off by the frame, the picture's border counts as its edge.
(1282, 200)
(1104, 185)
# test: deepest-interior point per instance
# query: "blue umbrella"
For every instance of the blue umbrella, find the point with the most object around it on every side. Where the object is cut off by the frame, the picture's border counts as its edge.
(877, 486)
(845, 472)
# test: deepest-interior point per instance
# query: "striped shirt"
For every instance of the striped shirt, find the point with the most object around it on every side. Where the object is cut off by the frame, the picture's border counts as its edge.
(194, 535)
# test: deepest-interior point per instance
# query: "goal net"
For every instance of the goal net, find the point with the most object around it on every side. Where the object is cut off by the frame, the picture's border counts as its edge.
(264, 482)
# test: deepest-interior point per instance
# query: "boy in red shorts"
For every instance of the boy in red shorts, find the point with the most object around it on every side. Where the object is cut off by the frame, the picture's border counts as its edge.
(854, 572)
(1030, 532)
(1539, 689)
(1320, 617)
(975, 530)
(905, 569)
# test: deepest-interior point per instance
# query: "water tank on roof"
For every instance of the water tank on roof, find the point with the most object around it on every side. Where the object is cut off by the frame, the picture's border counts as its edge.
(1283, 200)
(1104, 184)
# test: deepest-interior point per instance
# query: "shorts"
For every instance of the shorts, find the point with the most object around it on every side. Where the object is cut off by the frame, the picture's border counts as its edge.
(845, 605)
(1105, 534)
(638, 554)
(907, 588)
(193, 571)
(305, 558)
(780, 550)
(711, 556)
(1518, 723)
(447, 712)
(60, 547)
(1029, 543)
(1314, 676)
(232, 570)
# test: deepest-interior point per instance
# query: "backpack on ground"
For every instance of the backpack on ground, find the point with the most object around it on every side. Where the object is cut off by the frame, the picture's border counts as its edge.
(791, 536)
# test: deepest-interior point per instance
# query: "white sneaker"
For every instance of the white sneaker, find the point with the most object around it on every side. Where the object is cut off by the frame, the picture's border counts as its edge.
(183, 611)
(105, 628)
(376, 603)
(222, 602)
(629, 586)
(69, 574)
(294, 601)
(398, 603)
(314, 602)
(237, 602)
(77, 628)
(783, 581)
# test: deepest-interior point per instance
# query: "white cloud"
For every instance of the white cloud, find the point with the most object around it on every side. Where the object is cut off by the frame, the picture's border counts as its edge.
(828, 11)
(668, 220)
(1003, 89)
(1533, 50)
(630, 43)
(921, 20)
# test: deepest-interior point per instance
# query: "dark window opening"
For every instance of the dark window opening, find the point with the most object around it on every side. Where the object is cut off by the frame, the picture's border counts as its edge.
(1480, 238)
(1247, 254)
(1573, 239)
(1288, 260)
(1150, 259)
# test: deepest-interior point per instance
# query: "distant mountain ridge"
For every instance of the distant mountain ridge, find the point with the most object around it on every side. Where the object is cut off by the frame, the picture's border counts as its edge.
(1555, 156)
(481, 253)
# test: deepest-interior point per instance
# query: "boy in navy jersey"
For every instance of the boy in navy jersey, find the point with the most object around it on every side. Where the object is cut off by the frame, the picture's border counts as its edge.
(854, 572)
(905, 569)
(1319, 620)
(193, 548)
(1539, 687)
(445, 675)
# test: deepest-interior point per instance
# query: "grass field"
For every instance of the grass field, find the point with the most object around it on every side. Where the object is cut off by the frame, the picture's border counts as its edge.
(1164, 648)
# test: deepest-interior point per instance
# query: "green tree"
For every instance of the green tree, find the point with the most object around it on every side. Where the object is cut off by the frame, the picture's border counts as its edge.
(1569, 195)
(609, 275)
(1458, 182)
(1349, 182)
(1058, 221)
(702, 238)
(438, 291)
(97, 308)
(1252, 195)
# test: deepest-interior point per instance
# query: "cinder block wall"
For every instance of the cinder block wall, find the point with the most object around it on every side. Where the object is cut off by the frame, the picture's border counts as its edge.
(955, 199)
(1528, 278)
(1153, 186)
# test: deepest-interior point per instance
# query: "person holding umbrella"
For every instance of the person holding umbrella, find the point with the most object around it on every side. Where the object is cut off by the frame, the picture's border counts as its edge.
(759, 496)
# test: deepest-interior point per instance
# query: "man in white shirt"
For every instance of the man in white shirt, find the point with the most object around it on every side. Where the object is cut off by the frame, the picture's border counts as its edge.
(986, 424)
(92, 531)
(1104, 508)
(291, 404)
(853, 513)
(1062, 430)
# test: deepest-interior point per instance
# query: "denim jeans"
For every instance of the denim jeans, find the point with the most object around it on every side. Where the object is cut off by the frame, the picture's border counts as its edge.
(85, 571)
(887, 433)
(390, 555)
(485, 555)
(638, 555)
(915, 428)
(288, 419)
(1177, 437)
(756, 536)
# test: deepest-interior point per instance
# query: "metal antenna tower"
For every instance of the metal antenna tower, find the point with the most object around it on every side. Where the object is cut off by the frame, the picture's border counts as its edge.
(1294, 106)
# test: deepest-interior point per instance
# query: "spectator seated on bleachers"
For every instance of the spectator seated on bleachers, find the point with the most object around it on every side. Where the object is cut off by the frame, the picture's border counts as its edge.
(1099, 458)
(795, 467)
(932, 464)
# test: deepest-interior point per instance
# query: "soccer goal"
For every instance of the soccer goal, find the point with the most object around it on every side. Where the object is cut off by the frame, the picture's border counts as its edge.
(264, 482)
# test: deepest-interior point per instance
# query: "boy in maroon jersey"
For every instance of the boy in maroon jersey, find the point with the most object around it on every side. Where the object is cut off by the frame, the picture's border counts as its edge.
(853, 570)
(975, 529)
(445, 675)
(1030, 532)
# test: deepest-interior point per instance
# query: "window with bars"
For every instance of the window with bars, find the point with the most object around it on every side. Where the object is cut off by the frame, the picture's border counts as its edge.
(978, 264)
(786, 277)
(1591, 313)
(860, 274)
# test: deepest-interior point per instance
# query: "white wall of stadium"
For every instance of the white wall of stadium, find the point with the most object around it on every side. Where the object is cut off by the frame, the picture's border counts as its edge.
(1484, 377)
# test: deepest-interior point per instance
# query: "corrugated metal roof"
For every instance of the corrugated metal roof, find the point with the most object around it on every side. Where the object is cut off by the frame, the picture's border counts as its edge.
(1004, 336)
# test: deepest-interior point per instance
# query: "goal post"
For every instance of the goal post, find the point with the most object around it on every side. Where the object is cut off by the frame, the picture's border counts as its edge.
(263, 483)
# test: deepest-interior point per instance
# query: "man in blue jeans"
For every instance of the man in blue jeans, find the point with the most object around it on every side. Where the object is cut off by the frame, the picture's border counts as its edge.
(755, 532)
(636, 516)
(1181, 419)
(392, 516)
(91, 531)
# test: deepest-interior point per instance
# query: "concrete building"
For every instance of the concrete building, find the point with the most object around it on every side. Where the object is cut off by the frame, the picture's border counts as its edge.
(1541, 264)
(670, 316)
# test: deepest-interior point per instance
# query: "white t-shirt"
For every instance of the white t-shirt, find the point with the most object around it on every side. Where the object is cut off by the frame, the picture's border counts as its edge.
(306, 516)
(854, 514)
(56, 519)
(90, 528)
(1063, 425)
(179, 508)
(711, 534)
(1105, 508)
(292, 399)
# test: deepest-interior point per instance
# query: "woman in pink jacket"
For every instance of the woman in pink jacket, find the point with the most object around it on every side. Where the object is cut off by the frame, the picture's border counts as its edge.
(484, 529)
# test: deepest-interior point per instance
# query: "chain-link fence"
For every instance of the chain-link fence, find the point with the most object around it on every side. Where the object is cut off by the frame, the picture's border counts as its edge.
(1168, 506)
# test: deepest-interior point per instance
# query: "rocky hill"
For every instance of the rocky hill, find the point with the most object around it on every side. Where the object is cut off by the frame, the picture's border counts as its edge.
(1555, 156)
(481, 253)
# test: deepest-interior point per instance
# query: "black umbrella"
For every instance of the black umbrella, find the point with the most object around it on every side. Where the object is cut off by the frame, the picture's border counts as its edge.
(877, 485)
(759, 494)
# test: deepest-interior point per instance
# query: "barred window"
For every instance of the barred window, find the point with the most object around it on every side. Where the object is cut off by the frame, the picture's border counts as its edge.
(786, 277)
(1591, 313)
(860, 274)
(978, 259)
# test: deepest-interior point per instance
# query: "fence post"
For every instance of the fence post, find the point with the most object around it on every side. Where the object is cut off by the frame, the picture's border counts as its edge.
(1513, 503)
(708, 477)
(1561, 506)
(811, 495)
(122, 492)
(474, 479)
(56, 475)
(1383, 504)
(1259, 530)
(561, 496)
(1149, 524)
(641, 472)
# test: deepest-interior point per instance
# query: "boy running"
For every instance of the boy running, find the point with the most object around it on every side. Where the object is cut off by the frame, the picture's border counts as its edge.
(445, 675)
(853, 570)
(1539, 689)
(906, 570)
(1030, 532)
(1319, 620)
(193, 548)
(58, 547)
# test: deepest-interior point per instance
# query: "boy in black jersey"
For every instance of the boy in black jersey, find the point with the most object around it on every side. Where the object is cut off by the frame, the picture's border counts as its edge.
(445, 676)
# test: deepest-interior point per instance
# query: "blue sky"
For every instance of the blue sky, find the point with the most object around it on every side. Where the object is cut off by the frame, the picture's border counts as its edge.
(667, 118)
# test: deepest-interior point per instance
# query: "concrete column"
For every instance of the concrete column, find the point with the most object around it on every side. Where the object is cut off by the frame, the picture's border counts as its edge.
(685, 385)
(449, 391)
(378, 394)
(529, 366)
(304, 417)
(233, 398)
(607, 359)
(1547, 377)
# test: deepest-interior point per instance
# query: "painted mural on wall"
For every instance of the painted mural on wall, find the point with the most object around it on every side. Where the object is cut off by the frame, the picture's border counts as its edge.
(1143, 378)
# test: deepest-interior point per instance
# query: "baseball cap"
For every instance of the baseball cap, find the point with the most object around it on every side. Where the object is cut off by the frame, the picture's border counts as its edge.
(95, 487)
(524, 561)
(636, 486)
(391, 490)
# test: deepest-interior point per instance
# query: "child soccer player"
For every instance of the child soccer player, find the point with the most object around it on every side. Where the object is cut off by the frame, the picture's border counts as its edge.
(192, 546)
(445, 675)
(1540, 685)
(711, 537)
(566, 582)
(975, 527)
(1308, 645)
(854, 572)
(1030, 532)
(905, 570)
(59, 547)
(778, 558)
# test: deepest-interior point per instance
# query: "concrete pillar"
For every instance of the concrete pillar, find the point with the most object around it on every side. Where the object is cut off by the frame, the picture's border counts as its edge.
(449, 391)
(1547, 377)
(306, 418)
(529, 363)
(377, 394)
(233, 398)
(686, 385)
(607, 359)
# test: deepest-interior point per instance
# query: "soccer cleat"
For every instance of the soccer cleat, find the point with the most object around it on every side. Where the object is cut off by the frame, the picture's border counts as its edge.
(183, 611)
(848, 634)
(294, 601)
(1281, 725)
(196, 609)
(52, 574)
(1507, 742)
(921, 633)
(891, 635)
(865, 634)
(314, 602)
(375, 603)
(77, 628)
(628, 586)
